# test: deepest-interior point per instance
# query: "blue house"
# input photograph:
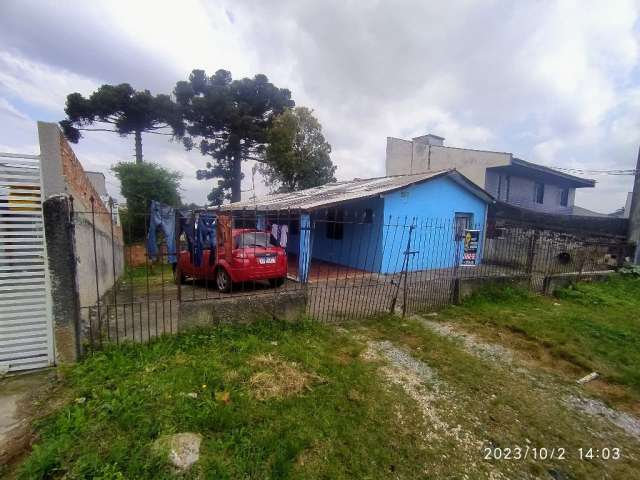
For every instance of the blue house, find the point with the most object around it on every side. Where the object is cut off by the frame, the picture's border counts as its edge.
(376, 224)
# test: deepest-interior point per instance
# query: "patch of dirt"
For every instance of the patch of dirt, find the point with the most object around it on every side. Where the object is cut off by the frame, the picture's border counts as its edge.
(410, 374)
(500, 354)
(488, 351)
(615, 394)
(521, 347)
(28, 397)
(278, 378)
(421, 383)
(596, 408)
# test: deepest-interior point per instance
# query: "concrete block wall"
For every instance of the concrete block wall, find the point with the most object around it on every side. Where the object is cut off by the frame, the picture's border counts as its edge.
(65, 304)
(406, 157)
(66, 186)
(63, 174)
(287, 306)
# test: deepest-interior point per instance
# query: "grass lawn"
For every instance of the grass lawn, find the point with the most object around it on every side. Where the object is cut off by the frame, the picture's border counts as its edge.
(592, 326)
(155, 273)
(385, 398)
(271, 400)
(501, 406)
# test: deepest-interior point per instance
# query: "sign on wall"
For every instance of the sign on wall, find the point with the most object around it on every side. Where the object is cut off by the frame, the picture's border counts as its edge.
(471, 245)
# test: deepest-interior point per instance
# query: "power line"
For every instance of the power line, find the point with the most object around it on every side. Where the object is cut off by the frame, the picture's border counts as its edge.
(596, 172)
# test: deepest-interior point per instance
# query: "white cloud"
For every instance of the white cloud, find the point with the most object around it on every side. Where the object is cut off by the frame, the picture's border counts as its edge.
(39, 84)
(552, 82)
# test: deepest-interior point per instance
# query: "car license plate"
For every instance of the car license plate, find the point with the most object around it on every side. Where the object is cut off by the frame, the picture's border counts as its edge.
(264, 260)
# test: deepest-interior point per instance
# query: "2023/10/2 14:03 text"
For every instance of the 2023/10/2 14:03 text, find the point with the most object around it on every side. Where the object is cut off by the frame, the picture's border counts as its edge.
(549, 453)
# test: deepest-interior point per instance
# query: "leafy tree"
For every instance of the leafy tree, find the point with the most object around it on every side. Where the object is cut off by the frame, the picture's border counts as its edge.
(121, 109)
(139, 184)
(231, 118)
(298, 156)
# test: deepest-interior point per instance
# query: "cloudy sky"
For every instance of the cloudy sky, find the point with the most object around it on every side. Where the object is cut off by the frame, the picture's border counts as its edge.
(554, 82)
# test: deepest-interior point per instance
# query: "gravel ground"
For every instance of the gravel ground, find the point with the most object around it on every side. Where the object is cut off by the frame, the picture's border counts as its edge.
(500, 354)
(488, 351)
(596, 408)
(433, 397)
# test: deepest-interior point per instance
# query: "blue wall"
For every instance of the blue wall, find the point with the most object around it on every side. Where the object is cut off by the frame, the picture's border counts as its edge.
(379, 246)
(361, 244)
(434, 205)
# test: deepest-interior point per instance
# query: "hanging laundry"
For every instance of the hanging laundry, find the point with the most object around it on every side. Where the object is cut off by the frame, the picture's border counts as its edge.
(205, 238)
(188, 227)
(164, 217)
(280, 234)
(284, 233)
(275, 232)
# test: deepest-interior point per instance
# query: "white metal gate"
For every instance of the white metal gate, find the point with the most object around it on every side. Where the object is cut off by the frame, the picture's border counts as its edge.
(26, 336)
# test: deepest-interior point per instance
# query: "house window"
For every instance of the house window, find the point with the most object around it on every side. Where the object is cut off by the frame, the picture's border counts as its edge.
(463, 222)
(335, 223)
(504, 187)
(538, 193)
(367, 215)
(564, 197)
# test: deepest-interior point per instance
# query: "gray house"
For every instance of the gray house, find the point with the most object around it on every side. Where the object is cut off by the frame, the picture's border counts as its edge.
(508, 179)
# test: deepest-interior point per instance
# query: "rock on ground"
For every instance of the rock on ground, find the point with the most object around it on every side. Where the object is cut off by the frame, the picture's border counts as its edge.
(184, 449)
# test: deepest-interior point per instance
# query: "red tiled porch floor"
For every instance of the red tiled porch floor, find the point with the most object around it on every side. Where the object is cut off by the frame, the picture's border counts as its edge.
(321, 271)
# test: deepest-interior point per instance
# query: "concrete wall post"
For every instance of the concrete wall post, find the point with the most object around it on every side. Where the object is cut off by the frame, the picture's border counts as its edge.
(65, 302)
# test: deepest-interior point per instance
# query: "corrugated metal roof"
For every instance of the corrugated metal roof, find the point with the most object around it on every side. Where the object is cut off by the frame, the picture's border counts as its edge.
(339, 192)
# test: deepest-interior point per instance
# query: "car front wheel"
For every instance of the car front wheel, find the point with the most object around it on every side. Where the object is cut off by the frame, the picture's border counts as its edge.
(223, 280)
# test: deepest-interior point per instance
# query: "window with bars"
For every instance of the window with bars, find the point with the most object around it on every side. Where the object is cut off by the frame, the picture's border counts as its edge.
(335, 223)
(463, 221)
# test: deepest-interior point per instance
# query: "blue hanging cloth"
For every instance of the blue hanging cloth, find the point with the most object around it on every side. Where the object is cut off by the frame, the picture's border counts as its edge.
(205, 238)
(164, 217)
(188, 227)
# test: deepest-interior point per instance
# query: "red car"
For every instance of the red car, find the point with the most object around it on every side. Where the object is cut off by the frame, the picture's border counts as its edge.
(253, 257)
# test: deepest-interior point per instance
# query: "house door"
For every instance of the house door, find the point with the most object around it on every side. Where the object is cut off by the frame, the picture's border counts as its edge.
(26, 336)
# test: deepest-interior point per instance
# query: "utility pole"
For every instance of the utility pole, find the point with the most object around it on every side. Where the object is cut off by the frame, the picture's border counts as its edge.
(634, 215)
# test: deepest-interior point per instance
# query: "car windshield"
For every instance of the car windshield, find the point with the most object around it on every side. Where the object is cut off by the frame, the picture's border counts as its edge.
(252, 239)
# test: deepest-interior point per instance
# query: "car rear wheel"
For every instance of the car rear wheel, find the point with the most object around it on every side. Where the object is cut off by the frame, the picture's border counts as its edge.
(223, 280)
(276, 282)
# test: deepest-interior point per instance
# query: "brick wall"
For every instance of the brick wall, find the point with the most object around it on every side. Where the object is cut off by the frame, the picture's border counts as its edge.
(82, 190)
(98, 245)
(135, 255)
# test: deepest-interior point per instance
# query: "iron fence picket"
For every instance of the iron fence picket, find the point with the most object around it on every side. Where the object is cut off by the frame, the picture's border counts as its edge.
(380, 264)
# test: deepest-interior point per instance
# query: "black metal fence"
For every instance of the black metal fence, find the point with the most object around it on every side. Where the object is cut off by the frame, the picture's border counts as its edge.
(359, 266)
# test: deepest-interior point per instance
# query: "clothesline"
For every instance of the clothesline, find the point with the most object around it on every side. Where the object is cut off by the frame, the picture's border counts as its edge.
(199, 228)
